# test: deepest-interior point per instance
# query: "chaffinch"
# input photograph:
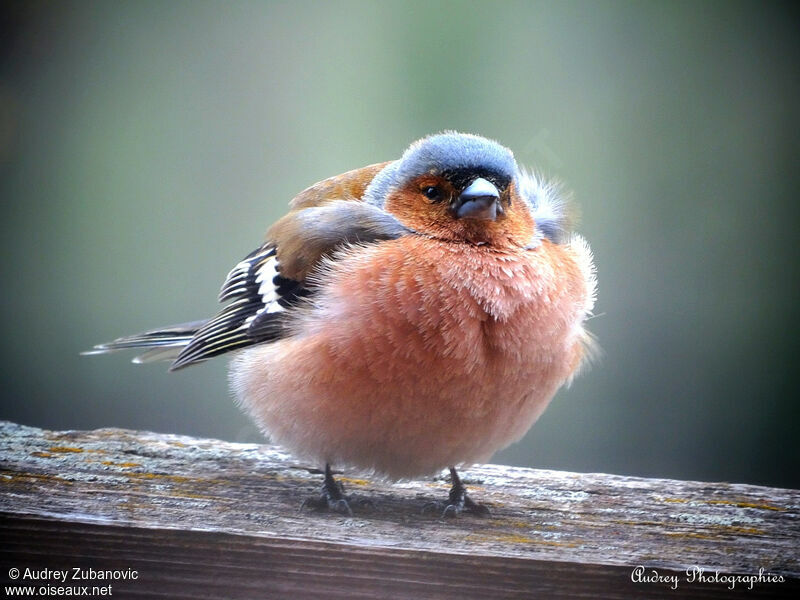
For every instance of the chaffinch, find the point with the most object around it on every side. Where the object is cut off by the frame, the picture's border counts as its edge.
(404, 317)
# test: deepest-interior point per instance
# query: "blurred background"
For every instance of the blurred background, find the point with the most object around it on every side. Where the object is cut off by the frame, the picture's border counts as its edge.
(146, 146)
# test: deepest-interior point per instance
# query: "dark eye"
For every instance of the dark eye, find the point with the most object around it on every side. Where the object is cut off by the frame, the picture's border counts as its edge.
(431, 192)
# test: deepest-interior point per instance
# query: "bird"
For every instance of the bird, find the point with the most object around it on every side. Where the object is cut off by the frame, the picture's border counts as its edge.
(403, 318)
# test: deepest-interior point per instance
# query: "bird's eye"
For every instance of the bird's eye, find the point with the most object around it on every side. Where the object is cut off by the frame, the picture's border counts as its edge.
(431, 192)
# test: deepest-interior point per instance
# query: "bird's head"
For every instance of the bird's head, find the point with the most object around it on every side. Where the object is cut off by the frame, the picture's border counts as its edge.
(458, 188)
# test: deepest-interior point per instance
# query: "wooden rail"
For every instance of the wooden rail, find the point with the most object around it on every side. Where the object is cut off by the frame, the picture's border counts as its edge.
(152, 515)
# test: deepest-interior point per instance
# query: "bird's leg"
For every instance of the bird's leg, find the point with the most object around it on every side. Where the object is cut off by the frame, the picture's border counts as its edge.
(332, 496)
(458, 500)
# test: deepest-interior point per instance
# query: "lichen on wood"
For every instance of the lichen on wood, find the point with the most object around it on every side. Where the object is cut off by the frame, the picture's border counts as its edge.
(110, 485)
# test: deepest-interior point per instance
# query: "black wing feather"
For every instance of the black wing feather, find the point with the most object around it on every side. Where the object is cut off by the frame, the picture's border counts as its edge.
(260, 295)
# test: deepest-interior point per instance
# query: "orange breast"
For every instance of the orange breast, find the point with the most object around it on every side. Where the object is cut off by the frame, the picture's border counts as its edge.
(421, 354)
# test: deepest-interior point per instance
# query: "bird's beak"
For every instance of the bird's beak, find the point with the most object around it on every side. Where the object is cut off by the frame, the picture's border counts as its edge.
(479, 200)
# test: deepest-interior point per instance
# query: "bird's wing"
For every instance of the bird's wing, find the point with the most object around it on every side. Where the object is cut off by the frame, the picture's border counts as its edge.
(268, 284)
(347, 186)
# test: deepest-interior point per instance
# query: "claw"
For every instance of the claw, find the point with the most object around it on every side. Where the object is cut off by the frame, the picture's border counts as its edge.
(333, 498)
(341, 505)
(458, 501)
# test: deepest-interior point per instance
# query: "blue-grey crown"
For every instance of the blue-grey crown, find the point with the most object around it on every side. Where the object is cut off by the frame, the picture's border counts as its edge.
(443, 152)
(453, 152)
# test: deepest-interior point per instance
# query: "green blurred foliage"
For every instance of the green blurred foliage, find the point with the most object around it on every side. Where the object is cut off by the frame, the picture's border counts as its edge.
(146, 146)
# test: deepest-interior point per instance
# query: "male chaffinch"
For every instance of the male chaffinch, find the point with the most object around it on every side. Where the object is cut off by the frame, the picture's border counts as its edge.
(403, 317)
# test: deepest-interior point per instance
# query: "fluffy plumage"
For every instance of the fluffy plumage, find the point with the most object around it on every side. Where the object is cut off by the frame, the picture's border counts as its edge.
(400, 319)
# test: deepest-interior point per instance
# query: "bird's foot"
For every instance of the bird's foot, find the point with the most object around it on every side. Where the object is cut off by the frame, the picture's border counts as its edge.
(457, 502)
(333, 497)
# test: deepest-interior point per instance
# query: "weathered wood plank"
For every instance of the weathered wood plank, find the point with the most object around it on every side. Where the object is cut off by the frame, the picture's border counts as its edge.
(209, 519)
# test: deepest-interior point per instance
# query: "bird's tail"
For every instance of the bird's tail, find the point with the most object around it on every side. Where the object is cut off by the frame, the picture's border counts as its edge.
(161, 344)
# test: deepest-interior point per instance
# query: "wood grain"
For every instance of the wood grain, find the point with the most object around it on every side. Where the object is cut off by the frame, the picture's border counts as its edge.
(201, 518)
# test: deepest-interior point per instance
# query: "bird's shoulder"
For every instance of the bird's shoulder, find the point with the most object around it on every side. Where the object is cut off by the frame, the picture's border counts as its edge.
(346, 186)
(328, 215)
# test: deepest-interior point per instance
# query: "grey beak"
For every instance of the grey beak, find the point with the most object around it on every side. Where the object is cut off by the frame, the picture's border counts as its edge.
(479, 200)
